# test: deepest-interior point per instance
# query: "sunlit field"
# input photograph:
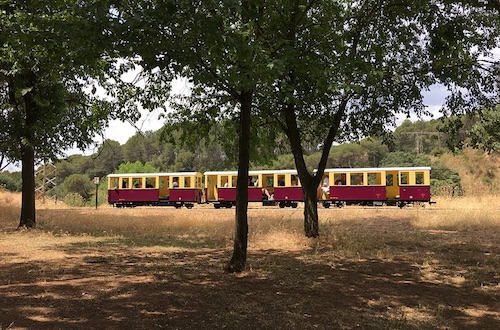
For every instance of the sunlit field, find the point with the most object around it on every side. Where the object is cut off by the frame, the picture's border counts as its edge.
(423, 267)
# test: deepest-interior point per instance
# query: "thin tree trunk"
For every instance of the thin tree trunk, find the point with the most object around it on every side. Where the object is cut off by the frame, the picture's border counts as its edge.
(239, 258)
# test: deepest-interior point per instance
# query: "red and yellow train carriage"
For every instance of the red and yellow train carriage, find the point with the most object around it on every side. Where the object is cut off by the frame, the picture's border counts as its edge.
(156, 189)
(377, 186)
(270, 187)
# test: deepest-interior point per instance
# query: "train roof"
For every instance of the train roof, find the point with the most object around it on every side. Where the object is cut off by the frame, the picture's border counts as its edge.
(119, 175)
(287, 171)
(379, 169)
(252, 172)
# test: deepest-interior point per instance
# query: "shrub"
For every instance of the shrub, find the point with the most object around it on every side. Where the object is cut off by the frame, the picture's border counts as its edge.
(74, 199)
(79, 184)
(8, 183)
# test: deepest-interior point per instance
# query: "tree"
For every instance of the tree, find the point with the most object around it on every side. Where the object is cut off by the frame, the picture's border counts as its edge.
(485, 133)
(51, 52)
(136, 167)
(142, 146)
(323, 70)
(107, 159)
(79, 184)
(348, 69)
(216, 45)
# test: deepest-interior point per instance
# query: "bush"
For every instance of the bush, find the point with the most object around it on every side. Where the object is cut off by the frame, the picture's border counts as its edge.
(8, 183)
(445, 181)
(79, 184)
(74, 200)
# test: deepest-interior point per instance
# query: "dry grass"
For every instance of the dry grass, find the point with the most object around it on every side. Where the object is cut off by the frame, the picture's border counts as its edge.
(478, 171)
(434, 267)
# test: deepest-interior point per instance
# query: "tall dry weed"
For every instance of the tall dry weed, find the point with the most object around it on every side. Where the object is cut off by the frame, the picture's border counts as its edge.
(463, 213)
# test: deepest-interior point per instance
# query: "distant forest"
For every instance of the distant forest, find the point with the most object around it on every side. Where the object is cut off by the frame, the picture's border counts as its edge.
(418, 143)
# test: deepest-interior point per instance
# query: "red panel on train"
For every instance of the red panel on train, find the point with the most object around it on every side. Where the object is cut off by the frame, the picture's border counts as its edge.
(288, 194)
(185, 195)
(415, 193)
(133, 195)
(229, 194)
(357, 193)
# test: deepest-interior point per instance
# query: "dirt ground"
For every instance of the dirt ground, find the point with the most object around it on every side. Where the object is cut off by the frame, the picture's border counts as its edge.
(437, 279)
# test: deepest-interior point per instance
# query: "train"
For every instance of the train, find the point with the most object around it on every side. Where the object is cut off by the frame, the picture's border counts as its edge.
(393, 186)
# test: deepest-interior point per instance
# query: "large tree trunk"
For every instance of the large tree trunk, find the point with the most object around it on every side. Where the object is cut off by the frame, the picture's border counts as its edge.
(27, 218)
(28, 190)
(309, 181)
(311, 221)
(239, 258)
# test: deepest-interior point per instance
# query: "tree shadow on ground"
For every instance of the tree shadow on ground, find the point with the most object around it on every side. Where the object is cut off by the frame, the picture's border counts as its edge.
(117, 286)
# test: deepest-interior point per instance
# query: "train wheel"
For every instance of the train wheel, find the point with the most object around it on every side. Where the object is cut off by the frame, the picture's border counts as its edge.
(217, 206)
(282, 205)
(294, 205)
(189, 206)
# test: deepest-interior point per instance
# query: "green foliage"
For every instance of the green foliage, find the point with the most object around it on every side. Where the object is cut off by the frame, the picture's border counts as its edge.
(445, 181)
(49, 57)
(419, 137)
(401, 158)
(486, 131)
(142, 146)
(105, 161)
(284, 161)
(74, 199)
(79, 184)
(137, 167)
(10, 182)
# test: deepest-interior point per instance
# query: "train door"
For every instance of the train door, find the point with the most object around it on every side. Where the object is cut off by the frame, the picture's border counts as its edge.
(211, 187)
(392, 185)
(163, 182)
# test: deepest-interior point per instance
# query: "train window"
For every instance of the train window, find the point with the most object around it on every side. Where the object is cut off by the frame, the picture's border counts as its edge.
(163, 182)
(404, 177)
(125, 183)
(281, 180)
(374, 179)
(269, 181)
(114, 183)
(187, 182)
(356, 179)
(137, 183)
(150, 182)
(389, 180)
(419, 177)
(339, 179)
